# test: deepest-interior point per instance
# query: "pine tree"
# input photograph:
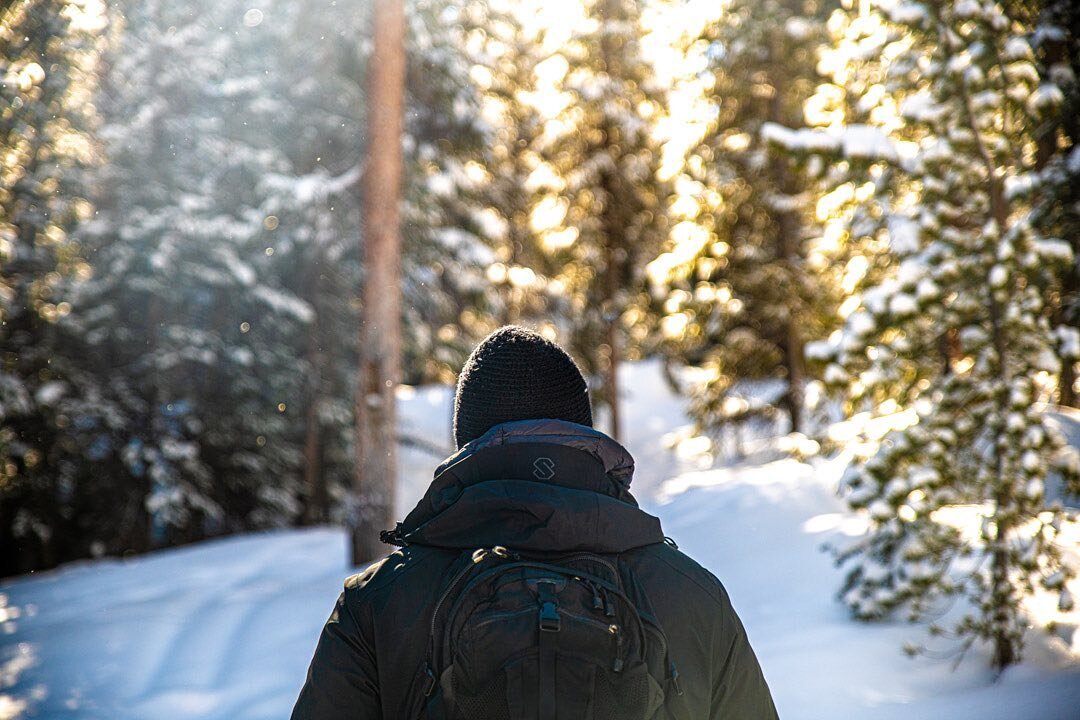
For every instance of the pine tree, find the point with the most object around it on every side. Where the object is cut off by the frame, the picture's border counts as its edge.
(607, 160)
(506, 44)
(745, 284)
(443, 219)
(956, 334)
(47, 53)
(1054, 34)
(180, 325)
(309, 106)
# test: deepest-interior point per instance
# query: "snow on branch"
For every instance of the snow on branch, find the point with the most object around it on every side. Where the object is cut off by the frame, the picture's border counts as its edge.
(863, 142)
(314, 187)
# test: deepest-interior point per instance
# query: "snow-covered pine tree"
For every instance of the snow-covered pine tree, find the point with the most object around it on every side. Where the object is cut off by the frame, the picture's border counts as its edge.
(744, 284)
(181, 327)
(47, 55)
(506, 44)
(1053, 30)
(309, 107)
(444, 225)
(612, 204)
(957, 336)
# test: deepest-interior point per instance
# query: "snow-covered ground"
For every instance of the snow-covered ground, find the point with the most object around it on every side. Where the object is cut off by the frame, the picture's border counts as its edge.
(224, 630)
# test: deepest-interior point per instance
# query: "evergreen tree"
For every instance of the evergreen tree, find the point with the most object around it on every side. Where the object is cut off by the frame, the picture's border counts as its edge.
(182, 329)
(506, 45)
(1053, 30)
(968, 263)
(612, 203)
(47, 53)
(745, 283)
(310, 106)
(443, 223)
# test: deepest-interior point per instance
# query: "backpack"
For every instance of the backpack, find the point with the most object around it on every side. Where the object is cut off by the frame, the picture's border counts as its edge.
(568, 637)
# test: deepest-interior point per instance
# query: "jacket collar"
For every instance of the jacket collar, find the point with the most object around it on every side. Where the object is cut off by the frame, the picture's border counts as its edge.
(615, 461)
(533, 485)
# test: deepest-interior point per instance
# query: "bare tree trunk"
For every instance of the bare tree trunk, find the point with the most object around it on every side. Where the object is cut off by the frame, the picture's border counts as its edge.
(789, 229)
(611, 325)
(375, 441)
(615, 252)
(315, 511)
(316, 506)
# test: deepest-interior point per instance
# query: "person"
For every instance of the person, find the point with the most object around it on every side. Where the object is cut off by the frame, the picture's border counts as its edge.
(531, 475)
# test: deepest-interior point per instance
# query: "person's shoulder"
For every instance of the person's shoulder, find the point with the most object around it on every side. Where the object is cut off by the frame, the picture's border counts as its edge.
(399, 568)
(665, 564)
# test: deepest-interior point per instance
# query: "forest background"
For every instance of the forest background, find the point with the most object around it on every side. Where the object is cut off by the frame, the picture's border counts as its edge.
(810, 211)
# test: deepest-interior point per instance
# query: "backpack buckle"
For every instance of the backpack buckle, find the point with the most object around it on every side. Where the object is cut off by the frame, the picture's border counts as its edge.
(549, 607)
(549, 617)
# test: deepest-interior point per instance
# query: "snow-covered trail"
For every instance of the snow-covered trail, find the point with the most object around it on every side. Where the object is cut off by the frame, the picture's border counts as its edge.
(224, 630)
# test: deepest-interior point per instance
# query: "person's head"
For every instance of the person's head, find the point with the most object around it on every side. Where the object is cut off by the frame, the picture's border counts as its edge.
(517, 374)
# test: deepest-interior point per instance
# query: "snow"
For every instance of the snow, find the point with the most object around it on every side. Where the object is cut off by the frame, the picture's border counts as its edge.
(902, 305)
(49, 393)
(798, 28)
(314, 187)
(286, 303)
(903, 234)
(1046, 96)
(853, 141)
(1072, 163)
(967, 8)
(907, 13)
(922, 107)
(1018, 186)
(225, 629)
(861, 323)
(1054, 250)
(999, 275)
(1068, 341)
(1017, 48)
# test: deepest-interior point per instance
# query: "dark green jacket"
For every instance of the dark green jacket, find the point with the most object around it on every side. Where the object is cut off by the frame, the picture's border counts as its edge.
(532, 486)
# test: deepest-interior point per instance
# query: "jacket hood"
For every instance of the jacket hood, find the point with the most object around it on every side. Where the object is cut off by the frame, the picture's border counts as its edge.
(535, 485)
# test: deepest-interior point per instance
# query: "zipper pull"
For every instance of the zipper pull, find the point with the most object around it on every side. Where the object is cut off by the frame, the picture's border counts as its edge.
(617, 664)
(597, 603)
(609, 609)
(429, 681)
(674, 675)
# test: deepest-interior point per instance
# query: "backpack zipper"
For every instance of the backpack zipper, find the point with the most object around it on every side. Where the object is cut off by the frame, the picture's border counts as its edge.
(482, 554)
(565, 572)
(617, 663)
(479, 555)
(596, 558)
(609, 610)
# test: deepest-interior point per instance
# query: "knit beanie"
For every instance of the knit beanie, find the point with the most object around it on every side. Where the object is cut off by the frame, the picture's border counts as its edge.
(517, 374)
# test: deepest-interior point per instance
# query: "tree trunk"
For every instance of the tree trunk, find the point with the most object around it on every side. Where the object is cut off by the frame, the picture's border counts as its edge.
(315, 511)
(614, 227)
(793, 354)
(788, 239)
(611, 310)
(316, 506)
(375, 443)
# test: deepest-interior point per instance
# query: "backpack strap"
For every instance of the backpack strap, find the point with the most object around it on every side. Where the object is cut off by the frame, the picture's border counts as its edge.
(549, 627)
